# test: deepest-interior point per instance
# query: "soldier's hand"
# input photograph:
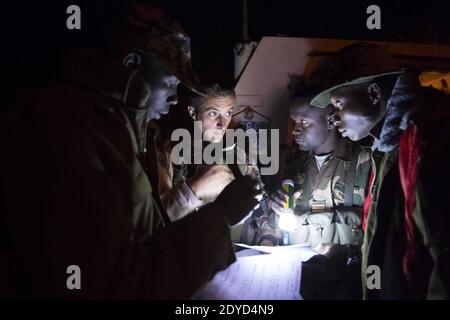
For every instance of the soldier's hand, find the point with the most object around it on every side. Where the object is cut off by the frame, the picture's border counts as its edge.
(239, 199)
(336, 253)
(209, 181)
(266, 243)
(278, 200)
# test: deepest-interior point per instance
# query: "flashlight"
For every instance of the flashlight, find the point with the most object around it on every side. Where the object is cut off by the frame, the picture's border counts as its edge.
(287, 220)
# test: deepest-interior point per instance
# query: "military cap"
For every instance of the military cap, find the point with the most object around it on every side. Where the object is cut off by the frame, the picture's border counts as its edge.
(355, 64)
(152, 31)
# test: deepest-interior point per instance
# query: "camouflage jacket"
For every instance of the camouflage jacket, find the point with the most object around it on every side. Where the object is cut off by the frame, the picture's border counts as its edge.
(79, 193)
(179, 200)
(322, 193)
(325, 189)
(386, 239)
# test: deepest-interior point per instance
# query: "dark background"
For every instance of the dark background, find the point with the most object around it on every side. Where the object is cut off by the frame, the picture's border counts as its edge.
(34, 37)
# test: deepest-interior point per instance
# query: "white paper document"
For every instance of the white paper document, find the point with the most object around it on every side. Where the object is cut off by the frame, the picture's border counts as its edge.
(260, 273)
(303, 251)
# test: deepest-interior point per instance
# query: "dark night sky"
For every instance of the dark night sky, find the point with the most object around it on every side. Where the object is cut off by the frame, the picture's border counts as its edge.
(215, 26)
(34, 34)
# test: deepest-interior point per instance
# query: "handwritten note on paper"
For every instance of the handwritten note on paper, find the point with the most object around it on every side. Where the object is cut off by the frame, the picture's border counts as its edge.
(258, 277)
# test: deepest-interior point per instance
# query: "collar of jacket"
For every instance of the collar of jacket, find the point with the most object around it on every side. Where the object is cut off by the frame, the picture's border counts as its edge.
(109, 78)
(404, 102)
(342, 152)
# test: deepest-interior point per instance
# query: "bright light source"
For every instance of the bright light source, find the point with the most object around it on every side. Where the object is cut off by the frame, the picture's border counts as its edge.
(287, 220)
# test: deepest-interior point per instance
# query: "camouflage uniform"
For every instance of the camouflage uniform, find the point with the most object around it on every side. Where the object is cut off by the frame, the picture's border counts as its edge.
(332, 176)
(406, 233)
(414, 262)
(180, 200)
(323, 214)
(92, 199)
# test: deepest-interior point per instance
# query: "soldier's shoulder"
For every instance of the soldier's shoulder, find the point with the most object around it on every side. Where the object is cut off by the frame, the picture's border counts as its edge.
(298, 158)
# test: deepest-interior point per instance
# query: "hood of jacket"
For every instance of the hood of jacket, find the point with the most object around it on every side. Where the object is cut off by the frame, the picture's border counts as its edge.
(405, 101)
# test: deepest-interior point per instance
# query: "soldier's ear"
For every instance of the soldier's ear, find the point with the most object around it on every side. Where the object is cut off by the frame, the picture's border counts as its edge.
(192, 112)
(132, 60)
(331, 117)
(374, 92)
(330, 124)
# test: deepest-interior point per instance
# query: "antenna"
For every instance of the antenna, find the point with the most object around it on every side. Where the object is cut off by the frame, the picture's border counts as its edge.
(244, 49)
(245, 37)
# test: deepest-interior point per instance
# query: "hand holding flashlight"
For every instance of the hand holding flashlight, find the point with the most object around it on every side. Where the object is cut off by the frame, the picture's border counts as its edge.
(287, 220)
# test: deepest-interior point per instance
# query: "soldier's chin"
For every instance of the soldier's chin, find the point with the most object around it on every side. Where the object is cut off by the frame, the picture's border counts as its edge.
(216, 137)
(355, 137)
(304, 147)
